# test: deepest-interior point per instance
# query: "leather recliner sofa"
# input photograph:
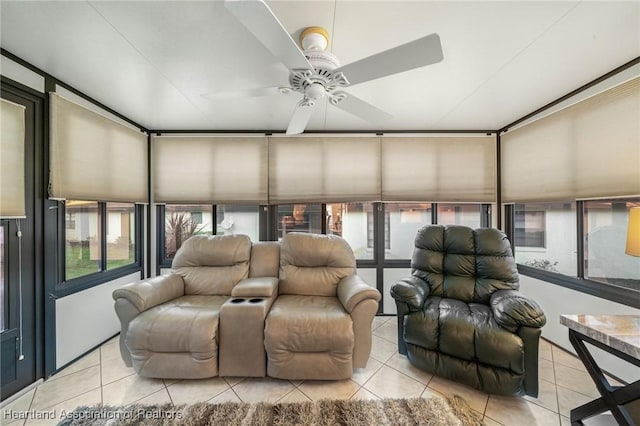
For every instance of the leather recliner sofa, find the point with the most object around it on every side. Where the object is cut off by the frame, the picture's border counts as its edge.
(461, 316)
(208, 316)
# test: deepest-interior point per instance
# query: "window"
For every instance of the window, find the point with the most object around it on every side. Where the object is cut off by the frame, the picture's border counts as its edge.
(299, 218)
(404, 221)
(530, 228)
(605, 234)
(83, 241)
(121, 234)
(545, 236)
(99, 237)
(238, 219)
(460, 214)
(351, 222)
(182, 221)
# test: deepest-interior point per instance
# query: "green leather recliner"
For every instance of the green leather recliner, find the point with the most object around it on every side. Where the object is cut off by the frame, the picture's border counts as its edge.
(461, 316)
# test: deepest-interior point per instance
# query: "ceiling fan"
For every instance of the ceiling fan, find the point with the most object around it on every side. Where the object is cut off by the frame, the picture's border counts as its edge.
(317, 74)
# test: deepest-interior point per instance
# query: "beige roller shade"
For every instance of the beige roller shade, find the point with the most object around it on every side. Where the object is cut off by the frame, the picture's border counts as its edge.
(324, 169)
(194, 170)
(94, 157)
(588, 150)
(439, 169)
(12, 133)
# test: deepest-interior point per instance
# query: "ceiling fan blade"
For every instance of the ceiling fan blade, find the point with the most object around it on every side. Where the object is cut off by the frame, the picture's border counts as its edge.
(300, 117)
(250, 93)
(415, 54)
(256, 16)
(359, 108)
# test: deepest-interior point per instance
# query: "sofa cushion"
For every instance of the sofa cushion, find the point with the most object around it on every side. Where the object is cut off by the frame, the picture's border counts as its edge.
(313, 265)
(212, 264)
(466, 331)
(186, 324)
(308, 324)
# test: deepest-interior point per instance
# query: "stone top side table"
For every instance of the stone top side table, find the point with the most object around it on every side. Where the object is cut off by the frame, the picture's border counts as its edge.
(619, 335)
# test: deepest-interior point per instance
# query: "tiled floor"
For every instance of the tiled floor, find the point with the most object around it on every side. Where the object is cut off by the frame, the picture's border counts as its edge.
(101, 376)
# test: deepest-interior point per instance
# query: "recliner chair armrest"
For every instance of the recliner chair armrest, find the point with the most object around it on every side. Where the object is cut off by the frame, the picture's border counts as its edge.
(412, 291)
(256, 287)
(512, 309)
(353, 290)
(152, 292)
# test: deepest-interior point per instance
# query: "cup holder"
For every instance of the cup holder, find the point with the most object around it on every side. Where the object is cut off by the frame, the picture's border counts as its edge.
(237, 300)
(256, 300)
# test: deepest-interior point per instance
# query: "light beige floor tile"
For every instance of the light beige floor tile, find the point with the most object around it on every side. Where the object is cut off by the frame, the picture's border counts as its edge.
(192, 391)
(475, 398)
(227, 396)
(378, 321)
(431, 393)
(560, 356)
(388, 331)
(130, 389)
(547, 396)
(382, 349)
(169, 382)
(262, 389)
(294, 396)
(568, 399)
(157, 398)
(329, 389)
(390, 383)
(364, 395)
(544, 350)
(109, 351)
(114, 339)
(490, 422)
(361, 375)
(546, 370)
(296, 383)
(113, 369)
(55, 391)
(564, 421)
(62, 409)
(233, 380)
(89, 360)
(576, 380)
(403, 365)
(515, 411)
(10, 413)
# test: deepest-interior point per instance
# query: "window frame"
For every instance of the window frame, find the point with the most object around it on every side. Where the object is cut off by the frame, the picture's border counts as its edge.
(66, 287)
(622, 295)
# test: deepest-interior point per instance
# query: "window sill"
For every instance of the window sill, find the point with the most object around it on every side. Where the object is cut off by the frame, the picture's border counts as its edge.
(75, 285)
(622, 295)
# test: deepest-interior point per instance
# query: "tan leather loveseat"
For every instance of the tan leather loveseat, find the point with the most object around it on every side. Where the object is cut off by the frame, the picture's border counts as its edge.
(208, 316)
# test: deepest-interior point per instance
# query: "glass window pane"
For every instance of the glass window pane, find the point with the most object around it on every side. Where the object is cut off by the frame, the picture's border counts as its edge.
(460, 214)
(121, 234)
(238, 219)
(299, 218)
(605, 224)
(545, 236)
(83, 246)
(402, 221)
(352, 222)
(182, 221)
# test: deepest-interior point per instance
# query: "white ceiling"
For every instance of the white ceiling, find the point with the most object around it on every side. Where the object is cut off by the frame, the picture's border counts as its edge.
(152, 60)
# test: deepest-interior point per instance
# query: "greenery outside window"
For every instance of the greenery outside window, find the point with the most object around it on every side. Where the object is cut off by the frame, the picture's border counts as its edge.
(83, 238)
(182, 221)
(121, 234)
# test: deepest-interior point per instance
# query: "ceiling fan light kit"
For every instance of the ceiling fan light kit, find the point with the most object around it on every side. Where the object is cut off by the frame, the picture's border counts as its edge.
(316, 73)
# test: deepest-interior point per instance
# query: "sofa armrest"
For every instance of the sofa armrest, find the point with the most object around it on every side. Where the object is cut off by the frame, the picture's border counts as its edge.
(412, 291)
(512, 310)
(256, 287)
(353, 290)
(146, 294)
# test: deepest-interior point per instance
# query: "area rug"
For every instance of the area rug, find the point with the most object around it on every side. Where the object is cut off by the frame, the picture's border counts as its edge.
(415, 411)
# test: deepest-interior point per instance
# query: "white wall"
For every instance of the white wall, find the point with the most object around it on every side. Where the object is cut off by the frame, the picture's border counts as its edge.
(86, 319)
(556, 300)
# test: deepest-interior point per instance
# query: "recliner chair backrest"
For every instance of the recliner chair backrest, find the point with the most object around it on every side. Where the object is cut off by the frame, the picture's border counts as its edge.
(463, 263)
(213, 264)
(313, 265)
